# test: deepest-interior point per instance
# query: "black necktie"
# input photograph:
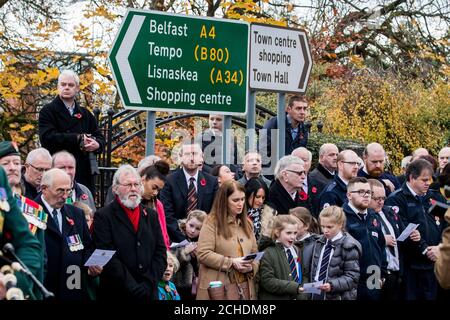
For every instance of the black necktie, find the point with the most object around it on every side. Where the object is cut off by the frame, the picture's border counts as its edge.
(192, 196)
(362, 216)
(325, 261)
(387, 232)
(55, 218)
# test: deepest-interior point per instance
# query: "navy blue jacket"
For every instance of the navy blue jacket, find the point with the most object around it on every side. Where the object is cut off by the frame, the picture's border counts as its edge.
(60, 259)
(412, 210)
(174, 197)
(334, 194)
(371, 238)
(385, 175)
(289, 145)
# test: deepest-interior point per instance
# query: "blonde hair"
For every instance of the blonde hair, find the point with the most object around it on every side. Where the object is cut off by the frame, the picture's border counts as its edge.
(176, 263)
(304, 215)
(200, 215)
(280, 222)
(335, 213)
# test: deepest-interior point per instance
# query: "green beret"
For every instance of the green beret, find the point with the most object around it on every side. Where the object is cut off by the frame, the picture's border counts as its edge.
(8, 148)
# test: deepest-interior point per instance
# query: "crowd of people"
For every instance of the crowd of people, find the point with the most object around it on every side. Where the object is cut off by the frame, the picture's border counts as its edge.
(336, 227)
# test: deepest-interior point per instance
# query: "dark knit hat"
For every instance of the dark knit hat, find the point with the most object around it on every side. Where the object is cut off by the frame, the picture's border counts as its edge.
(8, 148)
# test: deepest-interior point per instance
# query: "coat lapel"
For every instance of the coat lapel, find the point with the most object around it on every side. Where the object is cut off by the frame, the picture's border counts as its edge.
(68, 222)
(121, 215)
(181, 183)
(200, 189)
(51, 224)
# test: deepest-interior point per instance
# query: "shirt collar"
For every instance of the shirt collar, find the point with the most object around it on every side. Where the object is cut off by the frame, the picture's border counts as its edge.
(187, 177)
(411, 190)
(48, 206)
(356, 210)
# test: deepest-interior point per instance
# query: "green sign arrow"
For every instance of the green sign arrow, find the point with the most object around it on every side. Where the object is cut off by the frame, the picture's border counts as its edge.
(169, 62)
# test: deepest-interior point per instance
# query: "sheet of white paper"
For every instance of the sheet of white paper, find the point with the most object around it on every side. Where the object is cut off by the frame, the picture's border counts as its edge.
(405, 234)
(99, 258)
(177, 245)
(258, 255)
(312, 287)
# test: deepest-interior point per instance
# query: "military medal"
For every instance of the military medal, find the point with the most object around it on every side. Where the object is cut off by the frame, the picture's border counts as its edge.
(34, 213)
(438, 222)
(75, 243)
(4, 205)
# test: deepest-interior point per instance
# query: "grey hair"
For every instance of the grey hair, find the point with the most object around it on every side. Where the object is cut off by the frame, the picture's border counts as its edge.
(285, 162)
(125, 168)
(63, 153)
(69, 73)
(324, 147)
(147, 162)
(48, 176)
(36, 153)
(303, 149)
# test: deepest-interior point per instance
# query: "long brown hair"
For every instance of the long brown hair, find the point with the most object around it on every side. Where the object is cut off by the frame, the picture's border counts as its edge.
(220, 210)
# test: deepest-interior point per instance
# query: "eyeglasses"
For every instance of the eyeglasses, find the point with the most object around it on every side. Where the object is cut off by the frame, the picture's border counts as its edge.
(379, 198)
(131, 185)
(61, 191)
(362, 193)
(41, 170)
(299, 173)
(352, 163)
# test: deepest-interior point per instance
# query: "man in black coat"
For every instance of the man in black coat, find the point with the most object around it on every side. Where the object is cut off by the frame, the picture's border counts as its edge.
(174, 195)
(326, 169)
(65, 125)
(67, 239)
(135, 234)
(296, 131)
(412, 202)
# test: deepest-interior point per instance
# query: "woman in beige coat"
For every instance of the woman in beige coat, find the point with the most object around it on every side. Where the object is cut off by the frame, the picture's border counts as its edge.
(227, 233)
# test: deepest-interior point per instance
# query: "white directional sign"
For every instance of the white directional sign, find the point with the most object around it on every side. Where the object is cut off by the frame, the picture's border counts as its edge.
(280, 59)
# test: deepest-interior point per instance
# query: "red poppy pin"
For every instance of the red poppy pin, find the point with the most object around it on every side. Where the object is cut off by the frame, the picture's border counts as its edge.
(77, 115)
(70, 221)
(84, 196)
(303, 195)
(375, 223)
(314, 190)
(203, 182)
(298, 259)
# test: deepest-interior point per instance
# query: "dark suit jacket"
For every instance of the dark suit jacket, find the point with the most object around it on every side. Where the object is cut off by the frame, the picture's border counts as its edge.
(58, 130)
(174, 198)
(140, 259)
(60, 259)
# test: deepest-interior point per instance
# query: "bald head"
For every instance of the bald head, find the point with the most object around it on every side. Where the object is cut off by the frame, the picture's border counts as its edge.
(328, 153)
(305, 155)
(443, 157)
(418, 152)
(56, 186)
(374, 158)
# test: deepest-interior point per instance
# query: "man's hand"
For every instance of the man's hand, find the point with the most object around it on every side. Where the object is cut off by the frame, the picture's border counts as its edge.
(389, 184)
(90, 144)
(433, 253)
(390, 240)
(326, 287)
(415, 235)
(94, 271)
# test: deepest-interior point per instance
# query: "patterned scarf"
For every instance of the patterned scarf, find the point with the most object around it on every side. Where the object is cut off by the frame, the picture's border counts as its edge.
(255, 216)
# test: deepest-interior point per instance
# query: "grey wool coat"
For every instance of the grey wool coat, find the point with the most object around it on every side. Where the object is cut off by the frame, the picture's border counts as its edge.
(343, 269)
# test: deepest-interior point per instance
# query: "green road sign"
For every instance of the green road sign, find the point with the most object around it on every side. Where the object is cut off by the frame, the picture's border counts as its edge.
(169, 62)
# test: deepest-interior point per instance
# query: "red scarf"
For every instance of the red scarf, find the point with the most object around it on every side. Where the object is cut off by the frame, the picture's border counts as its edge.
(133, 214)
